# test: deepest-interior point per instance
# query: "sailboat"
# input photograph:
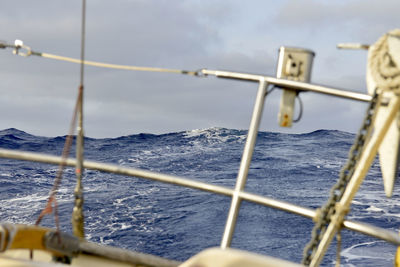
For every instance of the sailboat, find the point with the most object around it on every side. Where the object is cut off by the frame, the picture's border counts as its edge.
(34, 245)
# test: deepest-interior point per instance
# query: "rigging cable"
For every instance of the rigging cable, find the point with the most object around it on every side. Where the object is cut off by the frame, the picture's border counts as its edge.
(77, 213)
(77, 113)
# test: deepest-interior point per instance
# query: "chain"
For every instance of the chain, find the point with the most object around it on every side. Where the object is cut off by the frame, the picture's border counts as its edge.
(328, 210)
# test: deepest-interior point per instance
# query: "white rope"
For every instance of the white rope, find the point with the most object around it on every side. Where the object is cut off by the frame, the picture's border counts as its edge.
(382, 65)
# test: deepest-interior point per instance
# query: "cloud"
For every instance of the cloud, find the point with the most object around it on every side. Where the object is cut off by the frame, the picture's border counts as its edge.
(368, 18)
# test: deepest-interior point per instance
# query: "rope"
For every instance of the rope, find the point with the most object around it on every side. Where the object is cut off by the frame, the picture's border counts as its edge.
(52, 197)
(383, 68)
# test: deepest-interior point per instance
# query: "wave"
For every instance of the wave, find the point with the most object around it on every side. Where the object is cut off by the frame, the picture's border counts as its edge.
(213, 132)
(159, 218)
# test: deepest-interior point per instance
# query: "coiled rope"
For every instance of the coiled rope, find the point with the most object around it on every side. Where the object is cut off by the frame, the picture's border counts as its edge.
(383, 68)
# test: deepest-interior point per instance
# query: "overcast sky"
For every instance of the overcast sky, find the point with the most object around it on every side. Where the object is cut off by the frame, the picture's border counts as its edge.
(38, 95)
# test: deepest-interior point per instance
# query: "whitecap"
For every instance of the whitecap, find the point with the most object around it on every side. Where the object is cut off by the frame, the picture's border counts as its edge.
(374, 209)
(367, 250)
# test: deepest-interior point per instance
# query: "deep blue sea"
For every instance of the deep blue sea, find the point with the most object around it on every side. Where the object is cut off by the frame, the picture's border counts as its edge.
(176, 222)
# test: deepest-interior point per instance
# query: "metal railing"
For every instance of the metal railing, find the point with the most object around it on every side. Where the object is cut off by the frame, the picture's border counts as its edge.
(367, 229)
(237, 194)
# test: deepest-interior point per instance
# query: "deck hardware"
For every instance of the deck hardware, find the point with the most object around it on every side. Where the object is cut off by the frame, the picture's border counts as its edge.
(61, 243)
(293, 64)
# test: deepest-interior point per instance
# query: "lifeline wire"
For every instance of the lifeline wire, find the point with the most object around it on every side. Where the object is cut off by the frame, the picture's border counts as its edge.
(18, 47)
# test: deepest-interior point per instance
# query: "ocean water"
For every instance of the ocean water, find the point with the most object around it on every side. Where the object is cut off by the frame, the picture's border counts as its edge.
(176, 222)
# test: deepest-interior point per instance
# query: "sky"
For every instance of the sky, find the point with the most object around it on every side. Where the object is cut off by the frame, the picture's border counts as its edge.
(38, 95)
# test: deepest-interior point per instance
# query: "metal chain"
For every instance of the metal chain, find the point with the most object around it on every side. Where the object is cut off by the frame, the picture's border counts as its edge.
(328, 210)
